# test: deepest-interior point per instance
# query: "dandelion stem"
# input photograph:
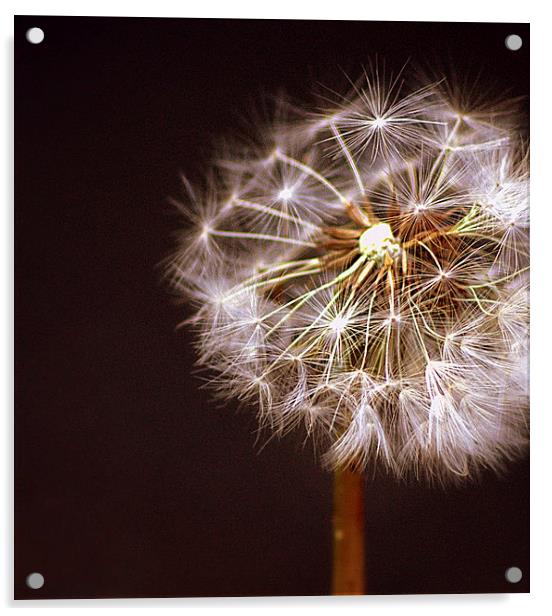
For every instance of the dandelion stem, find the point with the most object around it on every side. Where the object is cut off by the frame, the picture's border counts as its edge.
(249, 205)
(348, 157)
(495, 282)
(348, 533)
(310, 171)
(261, 236)
(273, 281)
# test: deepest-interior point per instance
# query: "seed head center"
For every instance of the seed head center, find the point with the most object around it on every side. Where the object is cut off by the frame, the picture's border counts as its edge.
(378, 240)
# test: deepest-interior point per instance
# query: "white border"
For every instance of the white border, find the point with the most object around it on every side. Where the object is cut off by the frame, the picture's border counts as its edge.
(541, 273)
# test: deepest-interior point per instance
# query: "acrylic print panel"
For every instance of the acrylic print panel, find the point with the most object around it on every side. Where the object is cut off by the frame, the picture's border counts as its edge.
(271, 308)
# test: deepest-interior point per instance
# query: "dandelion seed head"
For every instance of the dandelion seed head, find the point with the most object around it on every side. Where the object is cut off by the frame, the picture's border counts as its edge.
(362, 275)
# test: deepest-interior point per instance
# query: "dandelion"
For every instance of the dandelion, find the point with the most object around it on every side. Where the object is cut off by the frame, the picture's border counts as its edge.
(368, 281)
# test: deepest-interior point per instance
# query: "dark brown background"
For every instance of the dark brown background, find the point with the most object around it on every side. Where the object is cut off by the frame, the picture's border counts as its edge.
(129, 481)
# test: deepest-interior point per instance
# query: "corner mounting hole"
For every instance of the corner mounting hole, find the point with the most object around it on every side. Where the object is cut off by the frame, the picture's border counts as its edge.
(513, 575)
(35, 35)
(35, 581)
(513, 42)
